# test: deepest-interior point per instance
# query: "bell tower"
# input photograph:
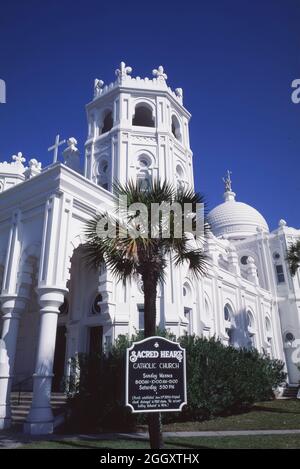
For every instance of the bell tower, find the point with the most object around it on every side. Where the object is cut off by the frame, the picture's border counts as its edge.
(138, 130)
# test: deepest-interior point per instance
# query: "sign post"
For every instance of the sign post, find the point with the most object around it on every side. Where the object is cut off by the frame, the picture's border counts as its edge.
(156, 376)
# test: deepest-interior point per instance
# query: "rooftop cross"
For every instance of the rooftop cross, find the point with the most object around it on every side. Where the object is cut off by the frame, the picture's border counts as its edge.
(123, 71)
(55, 147)
(227, 181)
(159, 73)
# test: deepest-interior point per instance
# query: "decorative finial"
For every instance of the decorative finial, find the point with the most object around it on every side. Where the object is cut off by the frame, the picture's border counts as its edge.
(19, 159)
(159, 73)
(227, 181)
(34, 168)
(97, 87)
(72, 143)
(35, 164)
(123, 71)
(71, 155)
(282, 223)
(179, 92)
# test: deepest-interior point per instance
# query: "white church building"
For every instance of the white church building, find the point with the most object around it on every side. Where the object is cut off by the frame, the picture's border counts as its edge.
(53, 306)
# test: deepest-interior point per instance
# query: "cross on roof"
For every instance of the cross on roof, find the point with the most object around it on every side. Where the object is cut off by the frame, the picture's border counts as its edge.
(55, 147)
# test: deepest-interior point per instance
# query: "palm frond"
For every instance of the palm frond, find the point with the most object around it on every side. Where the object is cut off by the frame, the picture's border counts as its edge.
(132, 250)
(196, 260)
(293, 257)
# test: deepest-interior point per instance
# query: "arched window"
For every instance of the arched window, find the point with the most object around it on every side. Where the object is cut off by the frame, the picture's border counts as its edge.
(227, 312)
(176, 129)
(179, 178)
(269, 337)
(144, 174)
(207, 319)
(250, 329)
(188, 307)
(229, 328)
(250, 320)
(103, 174)
(96, 307)
(143, 116)
(107, 122)
(187, 292)
(244, 260)
(280, 273)
(268, 325)
(289, 338)
(188, 313)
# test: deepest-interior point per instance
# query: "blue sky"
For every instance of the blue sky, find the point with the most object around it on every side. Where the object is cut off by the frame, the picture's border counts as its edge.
(235, 60)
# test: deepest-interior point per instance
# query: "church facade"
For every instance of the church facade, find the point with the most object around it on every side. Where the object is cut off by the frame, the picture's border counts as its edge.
(53, 306)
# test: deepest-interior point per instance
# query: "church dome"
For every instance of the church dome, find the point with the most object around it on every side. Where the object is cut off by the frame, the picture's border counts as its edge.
(235, 220)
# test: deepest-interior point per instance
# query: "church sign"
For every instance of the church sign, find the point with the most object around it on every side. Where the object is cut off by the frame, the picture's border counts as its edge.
(155, 376)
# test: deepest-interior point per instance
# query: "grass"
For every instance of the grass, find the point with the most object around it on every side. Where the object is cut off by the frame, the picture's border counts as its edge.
(228, 442)
(272, 415)
(238, 442)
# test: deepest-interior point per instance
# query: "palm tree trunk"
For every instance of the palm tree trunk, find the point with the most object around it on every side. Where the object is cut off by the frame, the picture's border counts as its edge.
(150, 292)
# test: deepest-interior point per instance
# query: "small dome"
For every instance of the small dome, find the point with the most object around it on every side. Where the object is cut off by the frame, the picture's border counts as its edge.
(235, 220)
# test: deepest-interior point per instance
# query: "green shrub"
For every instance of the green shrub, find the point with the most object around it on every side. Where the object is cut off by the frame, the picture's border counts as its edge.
(220, 380)
(223, 380)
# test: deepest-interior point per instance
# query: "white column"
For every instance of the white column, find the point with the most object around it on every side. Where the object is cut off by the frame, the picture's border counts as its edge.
(40, 419)
(12, 307)
(51, 291)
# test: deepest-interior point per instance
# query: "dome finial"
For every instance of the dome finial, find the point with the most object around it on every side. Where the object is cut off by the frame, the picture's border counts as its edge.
(228, 194)
(227, 181)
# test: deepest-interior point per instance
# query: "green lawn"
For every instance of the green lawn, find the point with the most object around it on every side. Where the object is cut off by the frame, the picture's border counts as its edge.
(238, 442)
(273, 415)
(228, 442)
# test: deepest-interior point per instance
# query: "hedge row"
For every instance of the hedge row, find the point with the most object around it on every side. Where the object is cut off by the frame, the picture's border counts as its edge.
(220, 380)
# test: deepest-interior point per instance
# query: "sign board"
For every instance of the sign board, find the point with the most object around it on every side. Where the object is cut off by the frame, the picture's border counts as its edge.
(155, 376)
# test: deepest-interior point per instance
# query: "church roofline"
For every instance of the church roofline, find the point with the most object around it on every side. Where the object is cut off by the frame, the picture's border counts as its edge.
(54, 179)
(126, 82)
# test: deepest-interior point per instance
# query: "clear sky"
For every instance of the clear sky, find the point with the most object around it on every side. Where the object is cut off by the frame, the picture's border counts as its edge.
(234, 59)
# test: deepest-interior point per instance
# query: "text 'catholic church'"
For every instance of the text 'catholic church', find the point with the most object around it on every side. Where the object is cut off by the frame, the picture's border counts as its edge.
(53, 306)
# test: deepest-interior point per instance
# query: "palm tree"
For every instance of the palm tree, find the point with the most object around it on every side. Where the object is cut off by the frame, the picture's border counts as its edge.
(141, 247)
(293, 257)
